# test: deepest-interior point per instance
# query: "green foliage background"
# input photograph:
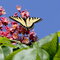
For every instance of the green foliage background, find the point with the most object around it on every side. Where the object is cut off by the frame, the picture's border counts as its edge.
(47, 48)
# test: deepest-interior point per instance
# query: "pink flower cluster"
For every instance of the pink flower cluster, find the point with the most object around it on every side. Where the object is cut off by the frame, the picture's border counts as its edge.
(15, 31)
(24, 13)
(2, 11)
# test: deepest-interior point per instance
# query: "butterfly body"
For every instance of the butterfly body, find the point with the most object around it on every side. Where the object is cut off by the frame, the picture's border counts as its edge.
(28, 22)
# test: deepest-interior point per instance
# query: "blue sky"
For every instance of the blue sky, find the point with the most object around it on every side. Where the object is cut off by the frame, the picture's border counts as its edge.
(48, 10)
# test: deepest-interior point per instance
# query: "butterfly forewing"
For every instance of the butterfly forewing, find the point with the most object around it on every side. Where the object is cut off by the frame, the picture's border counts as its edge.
(23, 22)
(34, 20)
(31, 21)
(19, 19)
(27, 23)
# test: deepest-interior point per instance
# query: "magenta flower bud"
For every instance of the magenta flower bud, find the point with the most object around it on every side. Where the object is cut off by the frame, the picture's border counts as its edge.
(16, 14)
(2, 11)
(18, 8)
(25, 14)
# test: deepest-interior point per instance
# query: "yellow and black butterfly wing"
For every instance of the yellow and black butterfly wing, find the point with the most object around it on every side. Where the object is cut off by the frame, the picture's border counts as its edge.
(30, 21)
(27, 23)
(18, 19)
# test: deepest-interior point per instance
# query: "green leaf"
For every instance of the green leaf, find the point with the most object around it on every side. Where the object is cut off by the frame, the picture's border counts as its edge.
(19, 44)
(59, 44)
(34, 53)
(58, 33)
(6, 42)
(22, 46)
(10, 45)
(7, 50)
(57, 56)
(50, 44)
(1, 54)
